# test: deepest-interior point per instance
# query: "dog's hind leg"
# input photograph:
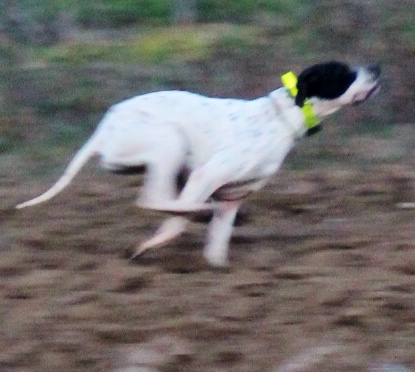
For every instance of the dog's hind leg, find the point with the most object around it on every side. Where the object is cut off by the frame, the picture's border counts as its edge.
(160, 187)
(160, 183)
(165, 161)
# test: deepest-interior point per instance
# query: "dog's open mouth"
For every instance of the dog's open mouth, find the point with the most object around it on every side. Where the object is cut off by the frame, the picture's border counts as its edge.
(375, 90)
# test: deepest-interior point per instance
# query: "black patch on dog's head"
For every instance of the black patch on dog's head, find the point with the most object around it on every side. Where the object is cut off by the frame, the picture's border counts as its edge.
(326, 80)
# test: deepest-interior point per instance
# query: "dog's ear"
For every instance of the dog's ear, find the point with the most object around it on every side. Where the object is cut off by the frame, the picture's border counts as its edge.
(304, 85)
(301, 95)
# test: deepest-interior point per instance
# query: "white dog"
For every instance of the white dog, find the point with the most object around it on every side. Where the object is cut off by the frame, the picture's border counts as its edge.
(225, 149)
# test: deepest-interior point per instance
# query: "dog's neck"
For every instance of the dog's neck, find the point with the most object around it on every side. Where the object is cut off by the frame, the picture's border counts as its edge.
(290, 113)
(312, 122)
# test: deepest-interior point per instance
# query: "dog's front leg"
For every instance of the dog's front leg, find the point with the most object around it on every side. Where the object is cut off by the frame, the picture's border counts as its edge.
(201, 184)
(170, 229)
(219, 234)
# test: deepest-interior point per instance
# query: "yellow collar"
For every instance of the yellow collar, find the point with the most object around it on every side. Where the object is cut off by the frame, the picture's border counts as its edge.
(289, 81)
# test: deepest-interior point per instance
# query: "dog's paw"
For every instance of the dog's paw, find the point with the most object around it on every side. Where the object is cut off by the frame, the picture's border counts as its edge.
(216, 259)
(169, 230)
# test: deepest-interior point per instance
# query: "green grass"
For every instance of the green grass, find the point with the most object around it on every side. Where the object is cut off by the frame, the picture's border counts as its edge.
(160, 45)
(119, 13)
(122, 13)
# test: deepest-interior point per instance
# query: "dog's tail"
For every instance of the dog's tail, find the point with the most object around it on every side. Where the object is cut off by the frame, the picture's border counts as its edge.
(83, 155)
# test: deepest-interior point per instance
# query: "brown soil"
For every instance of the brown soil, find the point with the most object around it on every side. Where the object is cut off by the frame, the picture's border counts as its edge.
(321, 278)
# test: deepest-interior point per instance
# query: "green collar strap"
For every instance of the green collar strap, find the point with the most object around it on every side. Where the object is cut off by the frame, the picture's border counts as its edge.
(312, 123)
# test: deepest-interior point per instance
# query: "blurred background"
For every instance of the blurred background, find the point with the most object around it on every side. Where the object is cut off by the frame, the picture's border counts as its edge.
(64, 62)
(322, 272)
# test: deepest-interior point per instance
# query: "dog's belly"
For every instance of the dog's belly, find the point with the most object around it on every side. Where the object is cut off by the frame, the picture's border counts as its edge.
(238, 190)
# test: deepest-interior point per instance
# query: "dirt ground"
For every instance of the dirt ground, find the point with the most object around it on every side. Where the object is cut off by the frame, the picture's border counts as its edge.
(321, 278)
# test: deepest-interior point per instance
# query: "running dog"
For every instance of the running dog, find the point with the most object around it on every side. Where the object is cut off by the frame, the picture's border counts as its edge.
(223, 149)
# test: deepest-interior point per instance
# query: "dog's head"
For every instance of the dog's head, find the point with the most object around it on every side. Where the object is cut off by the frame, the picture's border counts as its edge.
(329, 86)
